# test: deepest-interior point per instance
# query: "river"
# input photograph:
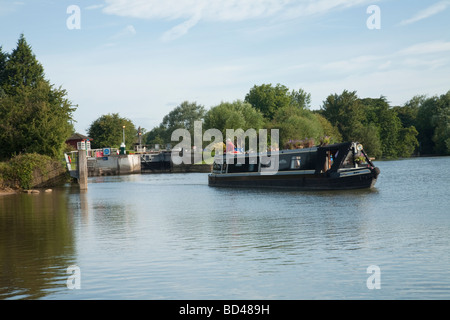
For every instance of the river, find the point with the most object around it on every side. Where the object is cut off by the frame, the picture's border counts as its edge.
(171, 236)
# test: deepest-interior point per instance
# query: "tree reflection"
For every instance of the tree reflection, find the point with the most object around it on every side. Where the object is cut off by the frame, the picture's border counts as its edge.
(36, 244)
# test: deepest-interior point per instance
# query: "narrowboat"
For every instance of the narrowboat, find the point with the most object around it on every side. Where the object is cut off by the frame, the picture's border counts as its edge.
(332, 167)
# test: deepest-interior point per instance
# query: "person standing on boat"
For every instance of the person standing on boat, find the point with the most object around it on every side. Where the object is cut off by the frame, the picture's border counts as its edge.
(230, 146)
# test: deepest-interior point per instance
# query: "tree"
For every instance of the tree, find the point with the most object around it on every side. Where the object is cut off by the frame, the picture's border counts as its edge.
(409, 111)
(36, 117)
(407, 141)
(107, 131)
(441, 122)
(301, 99)
(181, 117)
(297, 124)
(234, 115)
(369, 137)
(346, 112)
(22, 69)
(379, 113)
(3, 60)
(425, 124)
(268, 99)
(156, 136)
(328, 129)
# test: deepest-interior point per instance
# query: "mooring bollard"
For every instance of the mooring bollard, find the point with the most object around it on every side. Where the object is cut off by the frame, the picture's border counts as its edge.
(82, 170)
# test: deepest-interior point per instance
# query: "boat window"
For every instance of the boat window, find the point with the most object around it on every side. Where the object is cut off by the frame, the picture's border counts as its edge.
(348, 161)
(243, 167)
(295, 162)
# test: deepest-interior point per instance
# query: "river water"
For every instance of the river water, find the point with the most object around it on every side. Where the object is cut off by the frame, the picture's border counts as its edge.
(171, 236)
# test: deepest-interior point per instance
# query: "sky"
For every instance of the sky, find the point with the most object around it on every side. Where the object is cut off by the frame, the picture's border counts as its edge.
(143, 58)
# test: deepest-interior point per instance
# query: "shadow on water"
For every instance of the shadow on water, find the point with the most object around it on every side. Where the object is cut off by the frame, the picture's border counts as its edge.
(36, 244)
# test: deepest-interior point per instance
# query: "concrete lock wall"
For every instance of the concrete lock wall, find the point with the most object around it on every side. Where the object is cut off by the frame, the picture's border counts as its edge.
(114, 165)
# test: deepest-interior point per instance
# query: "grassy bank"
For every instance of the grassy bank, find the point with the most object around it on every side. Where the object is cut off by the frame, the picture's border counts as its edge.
(27, 171)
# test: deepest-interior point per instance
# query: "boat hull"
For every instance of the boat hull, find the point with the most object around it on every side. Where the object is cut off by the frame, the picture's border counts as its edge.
(355, 179)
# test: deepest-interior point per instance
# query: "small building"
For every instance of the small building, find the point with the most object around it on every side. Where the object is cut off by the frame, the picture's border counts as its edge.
(75, 138)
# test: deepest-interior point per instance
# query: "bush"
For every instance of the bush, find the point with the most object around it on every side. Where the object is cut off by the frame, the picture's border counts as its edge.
(21, 170)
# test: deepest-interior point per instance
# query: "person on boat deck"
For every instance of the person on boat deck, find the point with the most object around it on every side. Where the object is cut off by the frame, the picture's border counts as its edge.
(230, 146)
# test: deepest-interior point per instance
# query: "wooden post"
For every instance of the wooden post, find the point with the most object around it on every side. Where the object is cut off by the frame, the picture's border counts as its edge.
(82, 170)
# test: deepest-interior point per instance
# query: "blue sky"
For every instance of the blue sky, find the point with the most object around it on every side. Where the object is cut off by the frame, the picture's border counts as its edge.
(142, 58)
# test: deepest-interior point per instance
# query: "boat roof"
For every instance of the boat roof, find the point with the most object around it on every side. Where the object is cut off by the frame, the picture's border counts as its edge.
(336, 146)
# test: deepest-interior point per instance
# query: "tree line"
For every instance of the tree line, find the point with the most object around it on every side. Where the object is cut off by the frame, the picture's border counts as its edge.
(420, 126)
(36, 117)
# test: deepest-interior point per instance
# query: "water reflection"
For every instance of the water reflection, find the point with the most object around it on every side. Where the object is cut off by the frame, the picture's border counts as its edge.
(166, 236)
(36, 244)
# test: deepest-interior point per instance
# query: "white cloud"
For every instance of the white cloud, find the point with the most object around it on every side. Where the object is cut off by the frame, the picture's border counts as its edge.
(125, 32)
(9, 7)
(428, 12)
(180, 29)
(94, 6)
(192, 11)
(426, 48)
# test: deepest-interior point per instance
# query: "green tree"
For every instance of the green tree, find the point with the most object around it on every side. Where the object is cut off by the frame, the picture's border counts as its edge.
(3, 60)
(425, 123)
(409, 111)
(328, 129)
(379, 113)
(181, 117)
(22, 69)
(107, 131)
(369, 137)
(346, 112)
(297, 124)
(441, 122)
(156, 136)
(268, 99)
(301, 99)
(36, 117)
(234, 115)
(407, 141)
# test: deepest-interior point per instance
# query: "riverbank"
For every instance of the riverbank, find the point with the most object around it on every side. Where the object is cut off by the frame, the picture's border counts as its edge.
(30, 171)
(5, 192)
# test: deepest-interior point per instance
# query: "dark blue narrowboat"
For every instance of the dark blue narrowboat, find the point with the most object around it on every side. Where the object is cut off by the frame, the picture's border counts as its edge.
(332, 167)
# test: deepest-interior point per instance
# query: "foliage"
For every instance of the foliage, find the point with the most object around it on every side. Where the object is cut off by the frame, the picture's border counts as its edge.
(345, 112)
(36, 117)
(20, 170)
(107, 131)
(268, 99)
(301, 99)
(183, 116)
(369, 137)
(431, 118)
(407, 141)
(328, 129)
(296, 124)
(374, 123)
(234, 115)
(441, 123)
(379, 114)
